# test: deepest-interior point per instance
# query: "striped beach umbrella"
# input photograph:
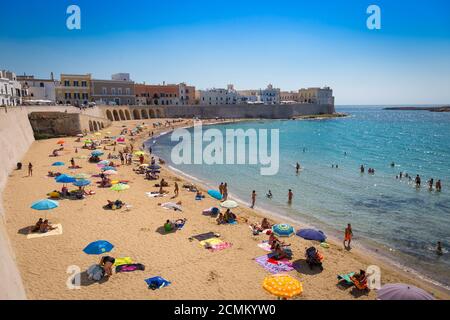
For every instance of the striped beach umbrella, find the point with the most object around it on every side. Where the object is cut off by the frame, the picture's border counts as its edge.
(283, 230)
(282, 286)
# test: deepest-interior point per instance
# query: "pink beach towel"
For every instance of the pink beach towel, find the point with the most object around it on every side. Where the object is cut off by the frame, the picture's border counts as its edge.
(274, 266)
(220, 246)
(265, 246)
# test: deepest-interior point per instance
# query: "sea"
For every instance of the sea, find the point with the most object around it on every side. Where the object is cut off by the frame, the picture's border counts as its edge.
(390, 216)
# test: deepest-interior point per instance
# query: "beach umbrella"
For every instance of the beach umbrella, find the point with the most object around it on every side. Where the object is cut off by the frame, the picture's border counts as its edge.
(106, 168)
(58, 164)
(96, 153)
(87, 141)
(312, 234)
(81, 176)
(229, 204)
(64, 178)
(139, 153)
(144, 165)
(154, 167)
(98, 247)
(120, 187)
(283, 230)
(110, 172)
(60, 142)
(104, 162)
(97, 134)
(282, 286)
(44, 204)
(82, 183)
(401, 291)
(215, 194)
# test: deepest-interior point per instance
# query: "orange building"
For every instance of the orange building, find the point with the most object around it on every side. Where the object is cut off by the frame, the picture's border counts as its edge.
(171, 94)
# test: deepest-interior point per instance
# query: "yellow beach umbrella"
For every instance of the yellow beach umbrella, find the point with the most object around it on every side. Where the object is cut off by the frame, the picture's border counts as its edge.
(139, 153)
(282, 285)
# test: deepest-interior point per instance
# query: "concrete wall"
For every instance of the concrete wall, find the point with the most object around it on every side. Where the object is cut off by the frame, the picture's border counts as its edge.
(16, 136)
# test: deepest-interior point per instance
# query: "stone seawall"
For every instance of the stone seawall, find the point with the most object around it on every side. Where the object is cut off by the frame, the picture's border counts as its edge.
(16, 136)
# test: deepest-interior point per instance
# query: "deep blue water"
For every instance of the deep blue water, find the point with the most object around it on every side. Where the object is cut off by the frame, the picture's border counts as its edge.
(384, 211)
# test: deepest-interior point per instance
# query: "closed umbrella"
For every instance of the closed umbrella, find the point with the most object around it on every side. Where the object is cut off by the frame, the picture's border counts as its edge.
(401, 291)
(44, 204)
(64, 178)
(229, 204)
(283, 230)
(312, 234)
(98, 247)
(120, 187)
(282, 286)
(82, 183)
(58, 164)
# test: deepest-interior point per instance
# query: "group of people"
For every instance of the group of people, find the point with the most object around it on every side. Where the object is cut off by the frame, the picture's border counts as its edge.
(42, 226)
(223, 189)
(370, 170)
(227, 217)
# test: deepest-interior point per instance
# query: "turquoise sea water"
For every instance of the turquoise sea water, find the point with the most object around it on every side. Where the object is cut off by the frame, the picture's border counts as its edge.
(386, 213)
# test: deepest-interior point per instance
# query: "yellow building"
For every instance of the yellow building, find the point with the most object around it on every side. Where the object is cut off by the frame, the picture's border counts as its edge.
(74, 89)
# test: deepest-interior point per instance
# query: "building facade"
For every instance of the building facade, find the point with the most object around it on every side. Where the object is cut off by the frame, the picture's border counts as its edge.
(11, 92)
(74, 89)
(218, 96)
(117, 91)
(170, 94)
(270, 95)
(38, 90)
(316, 95)
(288, 97)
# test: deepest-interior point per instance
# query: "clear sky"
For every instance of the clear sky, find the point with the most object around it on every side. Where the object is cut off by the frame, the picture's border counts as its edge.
(291, 44)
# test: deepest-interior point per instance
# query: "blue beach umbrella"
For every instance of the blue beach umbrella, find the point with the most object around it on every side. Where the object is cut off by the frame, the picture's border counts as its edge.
(96, 153)
(154, 167)
(311, 234)
(64, 178)
(283, 230)
(82, 183)
(44, 204)
(58, 164)
(98, 247)
(104, 162)
(215, 194)
(106, 168)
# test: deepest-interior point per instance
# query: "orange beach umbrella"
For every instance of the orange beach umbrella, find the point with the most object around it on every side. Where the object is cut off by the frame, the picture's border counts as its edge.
(282, 285)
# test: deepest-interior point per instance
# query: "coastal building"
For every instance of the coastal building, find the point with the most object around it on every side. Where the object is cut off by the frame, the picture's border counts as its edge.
(316, 95)
(269, 95)
(170, 94)
(288, 97)
(74, 89)
(11, 91)
(219, 96)
(117, 91)
(38, 90)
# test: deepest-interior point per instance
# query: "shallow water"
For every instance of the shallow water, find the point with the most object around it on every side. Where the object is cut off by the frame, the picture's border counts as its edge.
(385, 211)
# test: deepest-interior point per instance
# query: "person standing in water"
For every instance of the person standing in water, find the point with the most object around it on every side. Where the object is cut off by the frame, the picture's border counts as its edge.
(297, 167)
(418, 181)
(431, 183)
(362, 168)
(269, 194)
(348, 234)
(438, 185)
(290, 196)
(253, 199)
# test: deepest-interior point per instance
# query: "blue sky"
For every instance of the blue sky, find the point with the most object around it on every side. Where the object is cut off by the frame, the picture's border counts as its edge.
(290, 44)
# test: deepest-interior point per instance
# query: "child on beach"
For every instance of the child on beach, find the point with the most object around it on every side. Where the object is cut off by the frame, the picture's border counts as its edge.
(348, 235)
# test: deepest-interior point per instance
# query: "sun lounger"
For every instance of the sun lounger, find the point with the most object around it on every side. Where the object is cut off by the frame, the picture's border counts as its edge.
(53, 232)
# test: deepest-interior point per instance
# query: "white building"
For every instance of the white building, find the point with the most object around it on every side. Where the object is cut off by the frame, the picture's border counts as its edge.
(270, 95)
(39, 89)
(316, 95)
(219, 96)
(121, 77)
(10, 89)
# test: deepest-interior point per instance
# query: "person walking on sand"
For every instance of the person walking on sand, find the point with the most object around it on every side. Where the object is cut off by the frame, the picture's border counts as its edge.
(225, 192)
(221, 189)
(30, 169)
(348, 236)
(253, 199)
(290, 196)
(176, 189)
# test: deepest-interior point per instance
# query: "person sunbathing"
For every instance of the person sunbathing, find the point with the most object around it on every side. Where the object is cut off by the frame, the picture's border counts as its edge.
(229, 216)
(280, 252)
(37, 226)
(106, 263)
(265, 224)
(173, 225)
(113, 205)
(221, 219)
(199, 195)
(45, 227)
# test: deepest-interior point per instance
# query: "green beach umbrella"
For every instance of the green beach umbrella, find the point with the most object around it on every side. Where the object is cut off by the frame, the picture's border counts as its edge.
(120, 187)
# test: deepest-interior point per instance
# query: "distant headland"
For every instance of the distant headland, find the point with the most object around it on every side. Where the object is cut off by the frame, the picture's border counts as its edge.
(432, 109)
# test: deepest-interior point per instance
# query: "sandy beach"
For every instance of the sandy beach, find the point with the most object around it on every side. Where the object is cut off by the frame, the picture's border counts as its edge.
(195, 273)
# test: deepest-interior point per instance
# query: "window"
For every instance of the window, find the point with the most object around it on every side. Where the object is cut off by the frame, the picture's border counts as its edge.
(75, 83)
(41, 84)
(104, 90)
(85, 95)
(119, 91)
(84, 83)
(127, 91)
(113, 91)
(66, 83)
(68, 95)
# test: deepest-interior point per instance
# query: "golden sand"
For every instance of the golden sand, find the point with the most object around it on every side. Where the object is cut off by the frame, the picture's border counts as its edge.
(195, 272)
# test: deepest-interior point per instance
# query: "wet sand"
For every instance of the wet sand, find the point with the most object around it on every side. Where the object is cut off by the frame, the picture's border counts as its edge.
(195, 272)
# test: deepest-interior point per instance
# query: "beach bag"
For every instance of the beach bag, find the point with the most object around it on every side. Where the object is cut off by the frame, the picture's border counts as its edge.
(95, 272)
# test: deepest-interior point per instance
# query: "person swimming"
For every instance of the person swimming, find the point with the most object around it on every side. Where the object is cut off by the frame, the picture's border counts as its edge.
(269, 194)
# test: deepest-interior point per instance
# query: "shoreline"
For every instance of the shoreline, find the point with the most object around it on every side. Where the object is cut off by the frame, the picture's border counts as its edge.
(175, 256)
(379, 253)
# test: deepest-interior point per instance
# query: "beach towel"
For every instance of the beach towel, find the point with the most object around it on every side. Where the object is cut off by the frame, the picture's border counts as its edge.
(274, 266)
(210, 242)
(346, 277)
(54, 232)
(157, 282)
(171, 205)
(265, 246)
(232, 222)
(204, 236)
(154, 195)
(130, 267)
(121, 261)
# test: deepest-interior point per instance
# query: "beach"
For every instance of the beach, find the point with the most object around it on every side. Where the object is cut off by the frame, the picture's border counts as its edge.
(194, 272)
